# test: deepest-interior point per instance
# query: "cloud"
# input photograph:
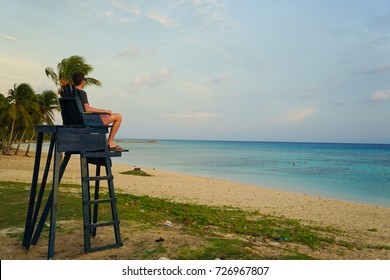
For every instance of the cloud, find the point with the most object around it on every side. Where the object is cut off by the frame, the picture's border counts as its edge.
(114, 17)
(195, 116)
(151, 80)
(380, 69)
(222, 79)
(212, 9)
(381, 95)
(297, 115)
(161, 19)
(193, 88)
(8, 37)
(212, 47)
(131, 8)
(312, 91)
(181, 12)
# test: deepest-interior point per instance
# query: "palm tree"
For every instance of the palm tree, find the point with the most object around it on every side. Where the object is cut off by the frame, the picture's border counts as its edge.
(66, 68)
(22, 103)
(4, 121)
(47, 104)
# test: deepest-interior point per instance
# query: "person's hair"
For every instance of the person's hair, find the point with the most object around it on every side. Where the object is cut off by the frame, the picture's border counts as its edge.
(77, 78)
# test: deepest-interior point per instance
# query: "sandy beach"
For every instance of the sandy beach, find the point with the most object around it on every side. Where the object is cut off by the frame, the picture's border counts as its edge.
(358, 220)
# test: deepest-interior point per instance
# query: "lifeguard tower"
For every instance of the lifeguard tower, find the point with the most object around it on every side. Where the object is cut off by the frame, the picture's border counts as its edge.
(81, 134)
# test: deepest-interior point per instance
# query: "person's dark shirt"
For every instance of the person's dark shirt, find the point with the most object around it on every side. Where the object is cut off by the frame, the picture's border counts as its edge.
(83, 97)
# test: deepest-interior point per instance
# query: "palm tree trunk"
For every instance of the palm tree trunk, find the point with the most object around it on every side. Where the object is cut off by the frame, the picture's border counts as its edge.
(16, 136)
(4, 145)
(29, 144)
(20, 140)
(8, 148)
(14, 140)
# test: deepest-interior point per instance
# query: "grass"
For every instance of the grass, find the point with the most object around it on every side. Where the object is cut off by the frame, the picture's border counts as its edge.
(200, 218)
(221, 232)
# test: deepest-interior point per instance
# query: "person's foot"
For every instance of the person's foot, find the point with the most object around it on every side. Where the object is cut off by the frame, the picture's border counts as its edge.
(112, 144)
(116, 148)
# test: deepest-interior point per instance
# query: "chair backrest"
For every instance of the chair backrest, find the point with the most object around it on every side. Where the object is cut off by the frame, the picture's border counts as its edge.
(72, 110)
(70, 107)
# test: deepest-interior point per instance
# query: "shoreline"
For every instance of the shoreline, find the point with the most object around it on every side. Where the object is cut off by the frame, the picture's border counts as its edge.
(366, 223)
(291, 189)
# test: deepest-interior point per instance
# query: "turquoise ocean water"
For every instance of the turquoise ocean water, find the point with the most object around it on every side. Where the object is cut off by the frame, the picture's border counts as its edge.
(351, 172)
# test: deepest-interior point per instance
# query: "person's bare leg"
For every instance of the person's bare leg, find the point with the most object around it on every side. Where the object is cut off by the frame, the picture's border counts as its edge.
(116, 119)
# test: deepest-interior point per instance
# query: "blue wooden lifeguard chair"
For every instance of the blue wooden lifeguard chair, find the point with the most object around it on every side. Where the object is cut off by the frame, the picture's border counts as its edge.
(81, 134)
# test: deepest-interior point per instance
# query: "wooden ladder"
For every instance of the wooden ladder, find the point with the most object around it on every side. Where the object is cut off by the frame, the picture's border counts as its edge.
(90, 203)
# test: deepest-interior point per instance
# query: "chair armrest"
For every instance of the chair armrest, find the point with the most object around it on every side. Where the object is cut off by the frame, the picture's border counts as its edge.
(91, 113)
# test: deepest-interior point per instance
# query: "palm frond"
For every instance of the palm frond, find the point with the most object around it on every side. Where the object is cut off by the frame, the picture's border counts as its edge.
(51, 74)
(92, 81)
(67, 67)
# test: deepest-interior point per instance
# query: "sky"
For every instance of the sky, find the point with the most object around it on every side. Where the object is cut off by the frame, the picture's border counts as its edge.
(251, 70)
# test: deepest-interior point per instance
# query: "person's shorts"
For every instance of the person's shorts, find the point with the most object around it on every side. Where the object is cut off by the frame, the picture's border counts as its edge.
(105, 119)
